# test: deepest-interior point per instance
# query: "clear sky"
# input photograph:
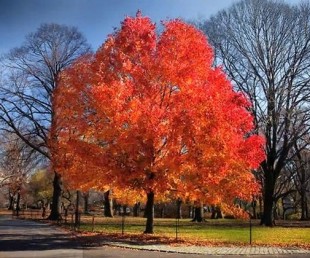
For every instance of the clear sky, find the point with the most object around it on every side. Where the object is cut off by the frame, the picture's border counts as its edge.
(94, 18)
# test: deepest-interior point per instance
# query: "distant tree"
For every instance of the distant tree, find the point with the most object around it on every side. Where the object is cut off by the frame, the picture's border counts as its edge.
(40, 187)
(30, 77)
(299, 169)
(17, 161)
(264, 46)
(154, 116)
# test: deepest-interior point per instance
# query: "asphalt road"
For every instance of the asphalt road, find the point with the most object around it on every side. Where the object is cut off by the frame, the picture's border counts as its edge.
(23, 239)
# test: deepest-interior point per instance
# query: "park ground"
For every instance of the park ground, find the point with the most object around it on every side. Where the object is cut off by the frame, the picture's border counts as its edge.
(41, 235)
(218, 232)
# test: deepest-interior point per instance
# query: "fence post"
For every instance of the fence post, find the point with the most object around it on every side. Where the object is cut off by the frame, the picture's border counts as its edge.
(76, 224)
(250, 231)
(177, 218)
(123, 222)
(93, 223)
(72, 221)
(79, 220)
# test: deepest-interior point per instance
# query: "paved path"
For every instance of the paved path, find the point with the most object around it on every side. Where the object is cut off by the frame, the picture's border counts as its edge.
(22, 238)
(247, 250)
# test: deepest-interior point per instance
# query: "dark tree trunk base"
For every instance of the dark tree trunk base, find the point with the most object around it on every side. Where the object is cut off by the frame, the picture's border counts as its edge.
(267, 217)
(55, 208)
(108, 205)
(198, 214)
(149, 212)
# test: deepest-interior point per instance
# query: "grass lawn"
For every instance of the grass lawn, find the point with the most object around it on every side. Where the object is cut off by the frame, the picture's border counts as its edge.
(223, 231)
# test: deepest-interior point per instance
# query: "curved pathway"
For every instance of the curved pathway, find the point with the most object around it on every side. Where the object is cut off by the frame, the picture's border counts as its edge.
(24, 238)
(236, 250)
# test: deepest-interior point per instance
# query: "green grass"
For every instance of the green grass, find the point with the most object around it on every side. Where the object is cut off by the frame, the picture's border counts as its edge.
(222, 231)
(212, 231)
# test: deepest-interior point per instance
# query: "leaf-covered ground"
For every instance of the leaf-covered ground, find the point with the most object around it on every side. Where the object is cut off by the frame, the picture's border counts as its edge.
(211, 232)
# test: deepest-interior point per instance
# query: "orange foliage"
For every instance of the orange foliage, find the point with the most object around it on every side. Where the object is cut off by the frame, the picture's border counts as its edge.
(148, 113)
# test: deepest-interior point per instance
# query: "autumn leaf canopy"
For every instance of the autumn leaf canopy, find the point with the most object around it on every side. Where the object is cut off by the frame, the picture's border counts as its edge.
(149, 112)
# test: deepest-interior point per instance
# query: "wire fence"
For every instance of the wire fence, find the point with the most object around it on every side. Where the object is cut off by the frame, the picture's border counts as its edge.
(229, 230)
(94, 222)
(29, 214)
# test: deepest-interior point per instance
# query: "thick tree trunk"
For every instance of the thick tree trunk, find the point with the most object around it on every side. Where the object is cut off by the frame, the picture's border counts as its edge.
(56, 201)
(198, 212)
(149, 212)
(303, 205)
(108, 204)
(11, 202)
(86, 198)
(267, 218)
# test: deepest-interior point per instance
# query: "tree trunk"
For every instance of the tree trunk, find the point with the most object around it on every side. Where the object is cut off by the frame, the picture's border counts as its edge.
(213, 213)
(303, 205)
(136, 209)
(267, 218)
(56, 203)
(108, 205)
(86, 198)
(11, 202)
(216, 212)
(77, 208)
(149, 212)
(18, 203)
(198, 212)
(162, 211)
(219, 214)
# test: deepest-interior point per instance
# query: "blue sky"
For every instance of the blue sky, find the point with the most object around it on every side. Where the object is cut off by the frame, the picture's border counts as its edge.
(94, 18)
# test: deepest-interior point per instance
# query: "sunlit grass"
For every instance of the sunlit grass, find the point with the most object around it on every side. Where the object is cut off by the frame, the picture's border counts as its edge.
(212, 231)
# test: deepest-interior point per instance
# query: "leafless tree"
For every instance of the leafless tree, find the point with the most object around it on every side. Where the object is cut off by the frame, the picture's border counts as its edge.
(264, 46)
(26, 91)
(299, 169)
(17, 161)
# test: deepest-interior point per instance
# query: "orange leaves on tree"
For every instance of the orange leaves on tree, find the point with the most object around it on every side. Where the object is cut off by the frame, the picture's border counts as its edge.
(150, 113)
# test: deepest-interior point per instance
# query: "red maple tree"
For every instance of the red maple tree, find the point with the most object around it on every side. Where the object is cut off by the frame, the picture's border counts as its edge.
(151, 114)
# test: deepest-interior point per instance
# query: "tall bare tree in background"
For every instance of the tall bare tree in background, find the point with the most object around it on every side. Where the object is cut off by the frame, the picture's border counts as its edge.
(299, 169)
(17, 161)
(29, 79)
(264, 46)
